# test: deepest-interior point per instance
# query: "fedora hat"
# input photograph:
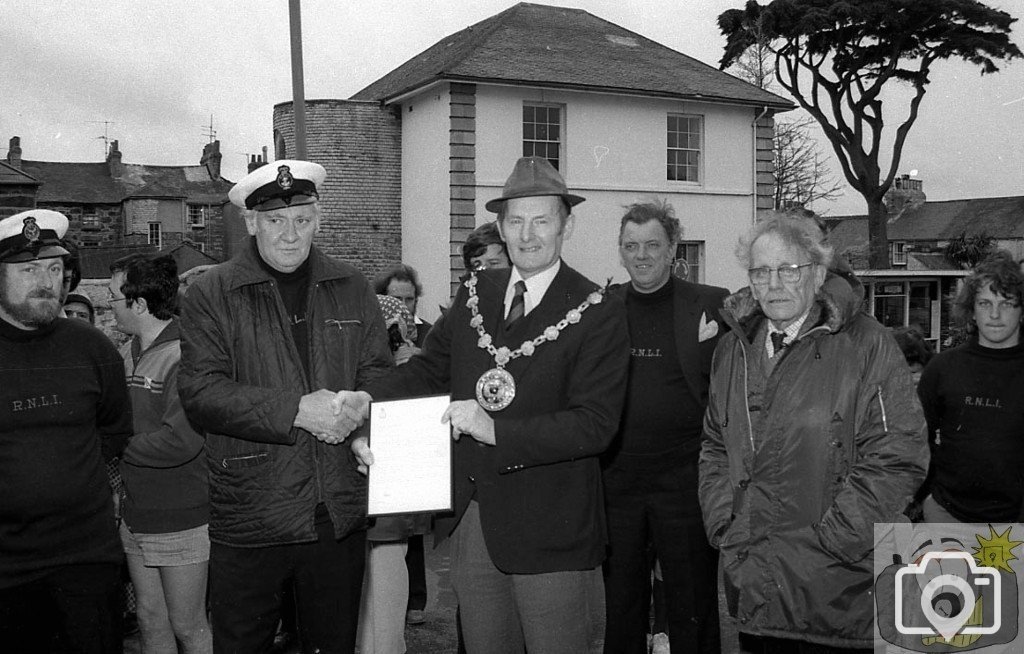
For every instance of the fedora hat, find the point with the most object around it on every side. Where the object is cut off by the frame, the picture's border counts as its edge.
(533, 176)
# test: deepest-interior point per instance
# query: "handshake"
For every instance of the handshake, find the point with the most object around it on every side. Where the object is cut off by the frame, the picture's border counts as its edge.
(331, 417)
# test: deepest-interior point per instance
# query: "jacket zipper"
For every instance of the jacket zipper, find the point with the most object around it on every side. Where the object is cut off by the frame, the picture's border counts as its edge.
(316, 443)
(881, 405)
(746, 396)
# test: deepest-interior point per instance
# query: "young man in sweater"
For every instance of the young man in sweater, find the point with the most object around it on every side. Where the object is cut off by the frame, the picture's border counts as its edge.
(63, 412)
(972, 396)
(166, 507)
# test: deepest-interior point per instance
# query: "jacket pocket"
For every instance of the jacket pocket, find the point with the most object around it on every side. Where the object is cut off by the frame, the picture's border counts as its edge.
(244, 460)
(839, 458)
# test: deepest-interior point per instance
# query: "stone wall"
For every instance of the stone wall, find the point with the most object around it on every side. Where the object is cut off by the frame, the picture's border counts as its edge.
(106, 229)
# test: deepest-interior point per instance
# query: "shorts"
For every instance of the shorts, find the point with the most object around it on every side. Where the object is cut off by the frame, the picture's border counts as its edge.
(168, 550)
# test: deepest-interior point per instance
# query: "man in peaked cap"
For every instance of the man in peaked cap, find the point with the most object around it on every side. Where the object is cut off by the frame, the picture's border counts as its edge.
(272, 342)
(535, 358)
(63, 413)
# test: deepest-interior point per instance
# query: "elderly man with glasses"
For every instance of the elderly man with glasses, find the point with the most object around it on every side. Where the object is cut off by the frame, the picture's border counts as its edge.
(813, 434)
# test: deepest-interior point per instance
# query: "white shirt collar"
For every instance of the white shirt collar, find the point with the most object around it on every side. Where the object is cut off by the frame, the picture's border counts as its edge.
(536, 287)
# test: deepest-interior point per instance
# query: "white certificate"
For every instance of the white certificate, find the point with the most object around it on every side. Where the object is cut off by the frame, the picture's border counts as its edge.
(412, 456)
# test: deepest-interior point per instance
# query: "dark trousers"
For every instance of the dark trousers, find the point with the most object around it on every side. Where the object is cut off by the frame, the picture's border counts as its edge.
(73, 609)
(246, 586)
(414, 561)
(547, 613)
(761, 645)
(653, 499)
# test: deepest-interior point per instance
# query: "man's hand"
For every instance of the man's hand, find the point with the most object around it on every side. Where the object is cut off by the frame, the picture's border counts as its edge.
(468, 417)
(353, 407)
(361, 450)
(328, 416)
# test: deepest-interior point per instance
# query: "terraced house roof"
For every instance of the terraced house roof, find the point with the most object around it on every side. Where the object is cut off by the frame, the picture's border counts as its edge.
(92, 183)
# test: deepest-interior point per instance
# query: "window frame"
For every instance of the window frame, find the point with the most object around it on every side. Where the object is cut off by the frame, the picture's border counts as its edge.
(671, 149)
(159, 235)
(559, 162)
(201, 209)
(693, 272)
(898, 253)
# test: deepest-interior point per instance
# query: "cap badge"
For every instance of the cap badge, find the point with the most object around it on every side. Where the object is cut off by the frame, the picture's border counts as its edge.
(284, 178)
(31, 230)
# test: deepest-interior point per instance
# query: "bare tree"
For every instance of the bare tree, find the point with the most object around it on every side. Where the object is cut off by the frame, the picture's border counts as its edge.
(802, 175)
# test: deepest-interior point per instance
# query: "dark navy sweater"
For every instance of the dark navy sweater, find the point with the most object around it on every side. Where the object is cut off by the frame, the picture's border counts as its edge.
(973, 399)
(63, 412)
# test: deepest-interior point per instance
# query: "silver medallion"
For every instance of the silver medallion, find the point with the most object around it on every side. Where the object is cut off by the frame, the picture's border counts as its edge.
(495, 389)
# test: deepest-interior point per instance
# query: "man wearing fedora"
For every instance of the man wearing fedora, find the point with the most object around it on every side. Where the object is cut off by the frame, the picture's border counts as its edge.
(271, 341)
(63, 412)
(535, 358)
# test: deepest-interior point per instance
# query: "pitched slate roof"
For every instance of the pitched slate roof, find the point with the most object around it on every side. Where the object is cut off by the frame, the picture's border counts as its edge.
(537, 45)
(92, 183)
(96, 262)
(1001, 218)
(11, 175)
(88, 183)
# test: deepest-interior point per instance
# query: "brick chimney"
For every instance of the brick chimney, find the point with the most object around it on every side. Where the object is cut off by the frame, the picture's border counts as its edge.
(905, 194)
(211, 159)
(14, 152)
(256, 161)
(114, 160)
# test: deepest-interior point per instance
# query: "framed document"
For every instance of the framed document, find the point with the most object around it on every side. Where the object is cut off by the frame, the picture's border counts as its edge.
(412, 457)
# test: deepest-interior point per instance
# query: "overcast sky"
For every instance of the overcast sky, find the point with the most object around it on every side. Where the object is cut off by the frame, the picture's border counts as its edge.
(158, 71)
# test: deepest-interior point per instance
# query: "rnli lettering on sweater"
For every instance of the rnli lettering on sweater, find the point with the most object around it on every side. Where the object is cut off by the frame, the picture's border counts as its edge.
(30, 403)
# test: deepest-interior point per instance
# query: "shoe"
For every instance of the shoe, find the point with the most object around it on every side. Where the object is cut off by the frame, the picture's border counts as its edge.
(415, 616)
(659, 644)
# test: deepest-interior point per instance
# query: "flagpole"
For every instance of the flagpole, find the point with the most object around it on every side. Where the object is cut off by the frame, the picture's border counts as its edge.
(298, 92)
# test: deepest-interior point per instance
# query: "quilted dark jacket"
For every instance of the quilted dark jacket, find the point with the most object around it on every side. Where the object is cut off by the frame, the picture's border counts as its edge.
(842, 447)
(241, 380)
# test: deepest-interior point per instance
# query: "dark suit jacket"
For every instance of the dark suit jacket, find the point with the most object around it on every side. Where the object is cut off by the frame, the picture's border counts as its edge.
(539, 487)
(690, 302)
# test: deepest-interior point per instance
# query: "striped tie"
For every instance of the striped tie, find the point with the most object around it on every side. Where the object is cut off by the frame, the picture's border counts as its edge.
(518, 306)
(777, 342)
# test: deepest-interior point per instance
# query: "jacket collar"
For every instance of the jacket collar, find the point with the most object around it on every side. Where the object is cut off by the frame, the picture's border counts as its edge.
(837, 302)
(172, 332)
(247, 269)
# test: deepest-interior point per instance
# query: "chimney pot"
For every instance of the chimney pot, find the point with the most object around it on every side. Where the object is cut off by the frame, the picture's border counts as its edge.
(114, 160)
(211, 159)
(905, 194)
(14, 152)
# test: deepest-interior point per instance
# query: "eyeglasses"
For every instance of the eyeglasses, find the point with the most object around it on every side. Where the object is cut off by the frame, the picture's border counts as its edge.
(112, 299)
(789, 274)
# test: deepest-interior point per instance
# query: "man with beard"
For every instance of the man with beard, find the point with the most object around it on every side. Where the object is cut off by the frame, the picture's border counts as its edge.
(63, 412)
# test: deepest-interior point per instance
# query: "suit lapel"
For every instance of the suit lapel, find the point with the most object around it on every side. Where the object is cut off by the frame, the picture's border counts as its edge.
(686, 314)
(490, 290)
